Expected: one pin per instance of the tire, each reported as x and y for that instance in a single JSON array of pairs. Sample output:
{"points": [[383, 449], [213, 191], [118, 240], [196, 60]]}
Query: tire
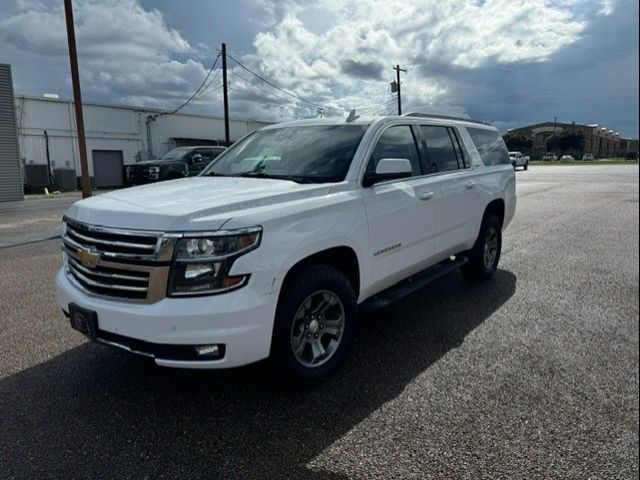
{"points": [[479, 268], [526, 166], [299, 324]]}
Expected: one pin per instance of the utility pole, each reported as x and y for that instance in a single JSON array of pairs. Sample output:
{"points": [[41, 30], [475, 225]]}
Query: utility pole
{"points": [[555, 120], [398, 70], [225, 94], [77, 98]]}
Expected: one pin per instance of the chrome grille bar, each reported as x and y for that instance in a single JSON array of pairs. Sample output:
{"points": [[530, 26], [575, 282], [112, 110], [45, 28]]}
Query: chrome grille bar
{"points": [[115, 276], [117, 243], [106, 285], [130, 265]]}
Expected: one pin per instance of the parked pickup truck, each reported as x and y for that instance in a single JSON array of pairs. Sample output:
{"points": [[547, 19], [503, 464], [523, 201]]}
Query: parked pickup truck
{"points": [[178, 163], [519, 160], [269, 252]]}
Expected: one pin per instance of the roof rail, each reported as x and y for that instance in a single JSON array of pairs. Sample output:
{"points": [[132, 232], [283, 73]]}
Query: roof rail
{"points": [[444, 117]]}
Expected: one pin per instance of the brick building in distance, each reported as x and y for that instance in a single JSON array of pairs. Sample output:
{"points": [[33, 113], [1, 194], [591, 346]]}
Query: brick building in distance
{"points": [[598, 140]]}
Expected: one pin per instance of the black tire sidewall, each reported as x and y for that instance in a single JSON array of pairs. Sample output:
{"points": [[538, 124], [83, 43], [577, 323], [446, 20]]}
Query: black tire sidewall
{"points": [[295, 291], [475, 269]]}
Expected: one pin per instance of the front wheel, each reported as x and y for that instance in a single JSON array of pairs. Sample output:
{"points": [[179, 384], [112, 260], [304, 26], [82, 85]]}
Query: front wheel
{"points": [[526, 166], [485, 254], [314, 324]]}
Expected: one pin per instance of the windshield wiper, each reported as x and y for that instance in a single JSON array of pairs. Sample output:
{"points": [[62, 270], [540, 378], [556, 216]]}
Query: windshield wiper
{"points": [[293, 178], [214, 174]]}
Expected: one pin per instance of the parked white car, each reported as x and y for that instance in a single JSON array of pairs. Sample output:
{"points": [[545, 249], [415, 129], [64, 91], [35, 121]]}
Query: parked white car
{"points": [[269, 252], [567, 158], [587, 156], [519, 160]]}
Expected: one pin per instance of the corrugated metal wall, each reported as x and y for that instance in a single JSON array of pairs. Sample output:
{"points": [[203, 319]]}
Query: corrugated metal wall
{"points": [[109, 127], [10, 172]]}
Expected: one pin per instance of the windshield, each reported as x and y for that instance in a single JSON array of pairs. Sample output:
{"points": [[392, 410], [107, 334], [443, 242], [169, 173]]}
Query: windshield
{"points": [[176, 153], [306, 154]]}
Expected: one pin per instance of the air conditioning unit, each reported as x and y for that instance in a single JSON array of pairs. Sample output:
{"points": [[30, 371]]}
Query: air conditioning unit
{"points": [[65, 178], [36, 177]]}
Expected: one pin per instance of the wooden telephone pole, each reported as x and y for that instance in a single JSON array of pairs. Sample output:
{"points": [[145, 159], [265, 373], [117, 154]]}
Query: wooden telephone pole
{"points": [[398, 70], [225, 94], [77, 99]]}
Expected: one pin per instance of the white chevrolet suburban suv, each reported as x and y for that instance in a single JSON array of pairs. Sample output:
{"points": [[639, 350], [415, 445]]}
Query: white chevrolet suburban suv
{"points": [[270, 250]]}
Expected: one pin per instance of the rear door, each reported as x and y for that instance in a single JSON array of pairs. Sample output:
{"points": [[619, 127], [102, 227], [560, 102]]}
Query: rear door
{"points": [[458, 200], [401, 213]]}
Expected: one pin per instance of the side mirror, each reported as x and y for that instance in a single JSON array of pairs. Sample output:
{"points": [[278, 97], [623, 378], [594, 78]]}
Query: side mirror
{"points": [[389, 169], [197, 158]]}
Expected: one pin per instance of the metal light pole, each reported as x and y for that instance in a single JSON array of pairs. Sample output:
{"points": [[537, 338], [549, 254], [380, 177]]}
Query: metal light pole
{"points": [[77, 99]]}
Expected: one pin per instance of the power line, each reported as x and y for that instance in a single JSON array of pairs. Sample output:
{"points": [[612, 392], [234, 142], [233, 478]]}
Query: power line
{"points": [[197, 91], [274, 85], [253, 85], [207, 90], [370, 110]]}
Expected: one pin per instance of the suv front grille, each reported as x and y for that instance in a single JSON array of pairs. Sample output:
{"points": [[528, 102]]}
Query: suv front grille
{"points": [[119, 264], [110, 243], [110, 282]]}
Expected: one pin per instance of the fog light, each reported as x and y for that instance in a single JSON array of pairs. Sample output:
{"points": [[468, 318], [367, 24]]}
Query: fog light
{"points": [[209, 350]]}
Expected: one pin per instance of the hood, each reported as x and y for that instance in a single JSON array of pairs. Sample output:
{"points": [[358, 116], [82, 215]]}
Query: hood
{"points": [[198, 203]]}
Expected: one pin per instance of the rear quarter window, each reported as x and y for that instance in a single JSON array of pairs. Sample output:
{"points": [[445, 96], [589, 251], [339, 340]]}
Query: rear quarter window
{"points": [[490, 146]]}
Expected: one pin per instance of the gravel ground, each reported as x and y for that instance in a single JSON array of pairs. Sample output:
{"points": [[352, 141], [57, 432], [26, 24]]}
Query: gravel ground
{"points": [[531, 375], [34, 219]]}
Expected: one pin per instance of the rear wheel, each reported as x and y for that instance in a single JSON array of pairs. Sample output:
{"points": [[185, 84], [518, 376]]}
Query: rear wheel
{"points": [[485, 254], [314, 324], [526, 166]]}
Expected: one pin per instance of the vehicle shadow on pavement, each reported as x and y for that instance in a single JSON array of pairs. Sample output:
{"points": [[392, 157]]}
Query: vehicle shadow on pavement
{"points": [[97, 412]]}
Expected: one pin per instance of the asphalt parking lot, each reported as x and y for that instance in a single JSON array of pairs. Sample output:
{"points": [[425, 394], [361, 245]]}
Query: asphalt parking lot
{"points": [[531, 375]]}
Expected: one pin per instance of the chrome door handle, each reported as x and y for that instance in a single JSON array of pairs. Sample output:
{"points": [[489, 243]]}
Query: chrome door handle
{"points": [[469, 184], [425, 195]]}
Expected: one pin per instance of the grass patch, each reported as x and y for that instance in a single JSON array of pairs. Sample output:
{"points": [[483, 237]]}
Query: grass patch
{"points": [[604, 161]]}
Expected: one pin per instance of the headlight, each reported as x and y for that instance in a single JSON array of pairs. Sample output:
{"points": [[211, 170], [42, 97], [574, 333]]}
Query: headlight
{"points": [[202, 263]]}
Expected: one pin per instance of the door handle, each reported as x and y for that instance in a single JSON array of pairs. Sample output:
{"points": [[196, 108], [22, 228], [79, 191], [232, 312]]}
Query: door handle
{"points": [[469, 184], [425, 195]]}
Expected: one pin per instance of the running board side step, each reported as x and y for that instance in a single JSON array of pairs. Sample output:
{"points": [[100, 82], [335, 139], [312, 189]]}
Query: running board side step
{"points": [[412, 284]]}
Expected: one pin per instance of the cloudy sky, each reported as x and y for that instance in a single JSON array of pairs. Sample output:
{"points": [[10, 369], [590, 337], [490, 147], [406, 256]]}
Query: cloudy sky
{"points": [[506, 61]]}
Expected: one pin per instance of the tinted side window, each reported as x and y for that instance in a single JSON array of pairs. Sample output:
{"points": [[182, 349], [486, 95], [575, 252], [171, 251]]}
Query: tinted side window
{"points": [[457, 145], [396, 142], [490, 146], [441, 155]]}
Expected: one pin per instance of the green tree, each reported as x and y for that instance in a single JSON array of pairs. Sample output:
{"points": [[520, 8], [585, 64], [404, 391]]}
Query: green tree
{"points": [[567, 140], [517, 141]]}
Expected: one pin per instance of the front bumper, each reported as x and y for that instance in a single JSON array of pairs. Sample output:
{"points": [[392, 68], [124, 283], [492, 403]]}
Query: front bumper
{"points": [[241, 320]]}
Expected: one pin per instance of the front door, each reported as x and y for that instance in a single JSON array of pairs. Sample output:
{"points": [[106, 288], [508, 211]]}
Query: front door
{"points": [[401, 213]]}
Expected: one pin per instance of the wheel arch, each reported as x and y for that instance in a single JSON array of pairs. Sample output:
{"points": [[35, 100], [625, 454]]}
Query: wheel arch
{"points": [[342, 258], [496, 207]]}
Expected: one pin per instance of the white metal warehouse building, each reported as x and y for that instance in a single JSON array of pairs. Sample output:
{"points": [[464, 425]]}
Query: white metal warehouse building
{"points": [[117, 135]]}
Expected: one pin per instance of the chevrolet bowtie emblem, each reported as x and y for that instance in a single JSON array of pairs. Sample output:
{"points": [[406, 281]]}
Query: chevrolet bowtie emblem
{"points": [[88, 258]]}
